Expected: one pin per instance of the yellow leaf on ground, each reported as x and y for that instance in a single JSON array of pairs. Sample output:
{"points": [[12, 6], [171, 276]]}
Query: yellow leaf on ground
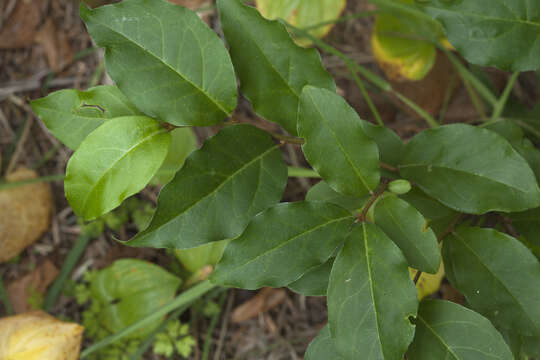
{"points": [[24, 214], [39, 336], [428, 283]]}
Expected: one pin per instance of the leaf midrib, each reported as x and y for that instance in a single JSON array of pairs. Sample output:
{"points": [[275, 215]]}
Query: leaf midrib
{"points": [[441, 340], [126, 153], [176, 71]]}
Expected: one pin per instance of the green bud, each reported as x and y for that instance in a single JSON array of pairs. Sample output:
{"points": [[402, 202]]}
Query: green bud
{"points": [[399, 187]]}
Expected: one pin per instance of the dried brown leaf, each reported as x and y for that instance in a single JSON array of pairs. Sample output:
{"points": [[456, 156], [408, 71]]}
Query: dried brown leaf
{"points": [[20, 28], [36, 282], [266, 299], [55, 44], [24, 214]]}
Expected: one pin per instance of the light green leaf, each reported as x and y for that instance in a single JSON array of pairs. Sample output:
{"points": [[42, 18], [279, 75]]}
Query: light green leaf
{"points": [[129, 290], [72, 114], [322, 347], [370, 297], [409, 230], [271, 68], [498, 275], [527, 223], [503, 34], [283, 243], [234, 176], [165, 60], [322, 192], [391, 148], [114, 162], [439, 217], [315, 281], [445, 330], [336, 145], [470, 169], [197, 258], [183, 142], [303, 14]]}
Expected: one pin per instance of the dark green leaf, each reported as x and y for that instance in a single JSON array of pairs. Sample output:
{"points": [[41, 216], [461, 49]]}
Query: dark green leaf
{"points": [[315, 281], [498, 275], [235, 175], [491, 33], [439, 217], [72, 114], [370, 297], [183, 142], [114, 162], [271, 68], [322, 347], [391, 148], [445, 330], [129, 290], [527, 223], [521, 346], [470, 169], [336, 145], [283, 243], [165, 60], [322, 192], [409, 230]]}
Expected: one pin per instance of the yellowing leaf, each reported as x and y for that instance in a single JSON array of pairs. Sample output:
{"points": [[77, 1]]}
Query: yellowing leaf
{"points": [[303, 14], [39, 336], [428, 283], [24, 214]]}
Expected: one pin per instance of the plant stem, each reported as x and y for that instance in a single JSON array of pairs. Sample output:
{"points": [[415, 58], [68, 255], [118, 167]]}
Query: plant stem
{"points": [[5, 298], [501, 103], [213, 323], [341, 19], [388, 167], [185, 298], [71, 260], [365, 94], [289, 139], [302, 172], [525, 126], [371, 200], [14, 184]]}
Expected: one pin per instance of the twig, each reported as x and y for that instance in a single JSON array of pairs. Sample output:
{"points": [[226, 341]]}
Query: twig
{"points": [[19, 148], [224, 326], [501, 103], [388, 167], [371, 200]]}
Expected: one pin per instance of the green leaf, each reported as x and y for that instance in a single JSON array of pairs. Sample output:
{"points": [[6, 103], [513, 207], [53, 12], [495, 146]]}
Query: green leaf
{"points": [[129, 290], [303, 14], [197, 258], [234, 176], [114, 162], [336, 145], [527, 223], [498, 275], [391, 148], [323, 347], [409, 230], [283, 243], [322, 192], [183, 142], [503, 34], [72, 114], [370, 297], [315, 281], [470, 169], [271, 68], [165, 60], [445, 330], [439, 217]]}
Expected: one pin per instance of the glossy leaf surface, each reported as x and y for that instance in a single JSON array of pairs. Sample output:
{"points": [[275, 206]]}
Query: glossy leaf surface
{"points": [[283, 243], [323, 347], [272, 69], [491, 33], [336, 145], [315, 281], [498, 275], [72, 114], [235, 175], [527, 223], [470, 169], [409, 230], [114, 162], [370, 297], [391, 148], [130, 289], [445, 330], [165, 60], [183, 143]]}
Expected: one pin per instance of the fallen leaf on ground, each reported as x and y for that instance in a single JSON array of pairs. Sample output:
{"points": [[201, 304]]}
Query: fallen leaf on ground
{"points": [[20, 28], [55, 44], [24, 214], [23, 291], [266, 299], [38, 336]]}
